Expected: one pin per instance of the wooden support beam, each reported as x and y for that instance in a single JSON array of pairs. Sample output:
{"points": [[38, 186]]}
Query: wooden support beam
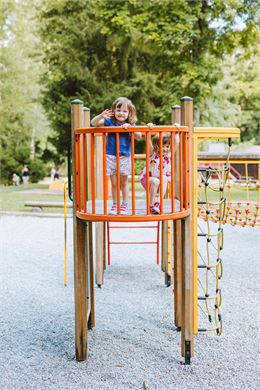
{"points": [[91, 296], [187, 342], [100, 253], [177, 235], [80, 252], [165, 247]]}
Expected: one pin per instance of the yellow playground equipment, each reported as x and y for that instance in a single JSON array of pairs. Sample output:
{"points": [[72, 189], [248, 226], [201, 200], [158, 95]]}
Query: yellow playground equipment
{"points": [[178, 219]]}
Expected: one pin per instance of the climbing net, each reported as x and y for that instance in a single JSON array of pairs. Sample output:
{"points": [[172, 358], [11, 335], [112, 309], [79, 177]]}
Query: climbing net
{"points": [[210, 243]]}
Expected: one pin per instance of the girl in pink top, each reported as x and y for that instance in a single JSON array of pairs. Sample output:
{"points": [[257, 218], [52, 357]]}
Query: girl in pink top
{"points": [[154, 170]]}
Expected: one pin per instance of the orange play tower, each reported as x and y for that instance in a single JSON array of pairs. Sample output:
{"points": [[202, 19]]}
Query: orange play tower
{"points": [[178, 213]]}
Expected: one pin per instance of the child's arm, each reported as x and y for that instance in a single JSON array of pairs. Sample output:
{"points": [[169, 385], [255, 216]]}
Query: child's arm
{"points": [[138, 135], [99, 119], [176, 138], [151, 126]]}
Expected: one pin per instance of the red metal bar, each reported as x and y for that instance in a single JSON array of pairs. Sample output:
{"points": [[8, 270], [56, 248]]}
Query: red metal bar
{"points": [[108, 244], [158, 243]]}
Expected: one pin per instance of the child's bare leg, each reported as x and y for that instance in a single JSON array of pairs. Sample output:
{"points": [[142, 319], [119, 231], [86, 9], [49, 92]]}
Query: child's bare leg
{"points": [[154, 186], [157, 195], [124, 188], [113, 180], [165, 182]]}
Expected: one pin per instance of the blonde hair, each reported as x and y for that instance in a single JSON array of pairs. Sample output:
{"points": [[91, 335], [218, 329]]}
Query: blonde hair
{"points": [[132, 118], [166, 139]]}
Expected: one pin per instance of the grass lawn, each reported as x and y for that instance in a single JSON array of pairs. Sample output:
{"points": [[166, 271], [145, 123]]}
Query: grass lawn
{"points": [[13, 198]]}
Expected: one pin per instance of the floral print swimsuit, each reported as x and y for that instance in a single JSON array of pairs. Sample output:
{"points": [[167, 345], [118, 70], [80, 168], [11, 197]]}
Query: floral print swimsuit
{"points": [[154, 167]]}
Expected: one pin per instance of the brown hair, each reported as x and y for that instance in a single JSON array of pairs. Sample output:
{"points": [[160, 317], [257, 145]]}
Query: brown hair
{"points": [[166, 139], [132, 118]]}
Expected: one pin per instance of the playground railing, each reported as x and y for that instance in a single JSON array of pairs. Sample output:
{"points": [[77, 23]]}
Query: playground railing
{"points": [[92, 194]]}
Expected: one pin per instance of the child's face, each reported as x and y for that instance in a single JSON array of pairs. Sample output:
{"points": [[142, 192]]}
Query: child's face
{"points": [[121, 113], [166, 148]]}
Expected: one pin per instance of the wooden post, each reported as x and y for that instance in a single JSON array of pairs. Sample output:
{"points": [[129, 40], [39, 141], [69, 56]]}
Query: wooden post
{"points": [[91, 316], [177, 235], [187, 344], [81, 274]]}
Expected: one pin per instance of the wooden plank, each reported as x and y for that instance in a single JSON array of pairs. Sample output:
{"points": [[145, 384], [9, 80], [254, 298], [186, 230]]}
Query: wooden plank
{"points": [[39, 203], [80, 252], [91, 319], [99, 253], [177, 234], [187, 339]]}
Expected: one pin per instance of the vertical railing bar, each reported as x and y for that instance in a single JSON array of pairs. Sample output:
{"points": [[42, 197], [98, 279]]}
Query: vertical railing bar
{"points": [[172, 168], [147, 157], [181, 170], [93, 182], [133, 171], [118, 171], [104, 173], [77, 173], [187, 164], [161, 171], [84, 174], [81, 171]]}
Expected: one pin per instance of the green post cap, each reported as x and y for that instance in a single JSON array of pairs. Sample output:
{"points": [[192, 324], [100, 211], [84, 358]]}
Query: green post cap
{"points": [[86, 109], [176, 106], [76, 101], [186, 98]]}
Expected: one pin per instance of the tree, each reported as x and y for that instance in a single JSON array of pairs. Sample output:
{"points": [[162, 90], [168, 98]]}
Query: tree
{"points": [[235, 99], [22, 119], [151, 51]]}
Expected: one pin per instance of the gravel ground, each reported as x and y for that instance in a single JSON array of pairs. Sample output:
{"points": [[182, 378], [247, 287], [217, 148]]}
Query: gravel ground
{"points": [[134, 344]]}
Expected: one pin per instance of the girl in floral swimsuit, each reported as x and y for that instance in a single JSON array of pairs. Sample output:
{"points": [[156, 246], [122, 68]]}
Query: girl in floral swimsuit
{"points": [[154, 170]]}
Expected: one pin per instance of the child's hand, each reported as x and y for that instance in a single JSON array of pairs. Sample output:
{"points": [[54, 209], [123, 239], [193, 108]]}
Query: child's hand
{"points": [[107, 114], [150, 125], [126, 125]]}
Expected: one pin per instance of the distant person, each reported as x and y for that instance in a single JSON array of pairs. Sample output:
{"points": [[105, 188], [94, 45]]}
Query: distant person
{"points": [[53, 172], [56, 176], [16, 179], [25, 174]]}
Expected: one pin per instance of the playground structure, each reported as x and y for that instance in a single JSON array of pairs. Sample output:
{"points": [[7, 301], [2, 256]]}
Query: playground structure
{"points": [[178, 215]]}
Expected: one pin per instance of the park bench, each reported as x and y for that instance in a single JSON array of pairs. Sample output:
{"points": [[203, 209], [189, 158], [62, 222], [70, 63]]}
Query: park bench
{"points": [[45, 204]]}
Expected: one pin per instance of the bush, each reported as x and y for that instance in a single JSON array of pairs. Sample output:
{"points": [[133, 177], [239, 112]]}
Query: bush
{"points": [[37, 170]]}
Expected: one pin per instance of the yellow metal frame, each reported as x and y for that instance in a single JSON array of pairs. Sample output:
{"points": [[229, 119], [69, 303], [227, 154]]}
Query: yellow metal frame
{"points": [[201, 134]]}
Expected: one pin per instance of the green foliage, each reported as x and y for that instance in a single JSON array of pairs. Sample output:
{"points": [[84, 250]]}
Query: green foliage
{"points": [[139, 165], [22, 123], [235, 99], [151, 51], [37, 170]]}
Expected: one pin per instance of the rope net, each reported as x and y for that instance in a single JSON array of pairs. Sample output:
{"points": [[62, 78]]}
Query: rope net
{"points": [[221, 200], [210, 244]]}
